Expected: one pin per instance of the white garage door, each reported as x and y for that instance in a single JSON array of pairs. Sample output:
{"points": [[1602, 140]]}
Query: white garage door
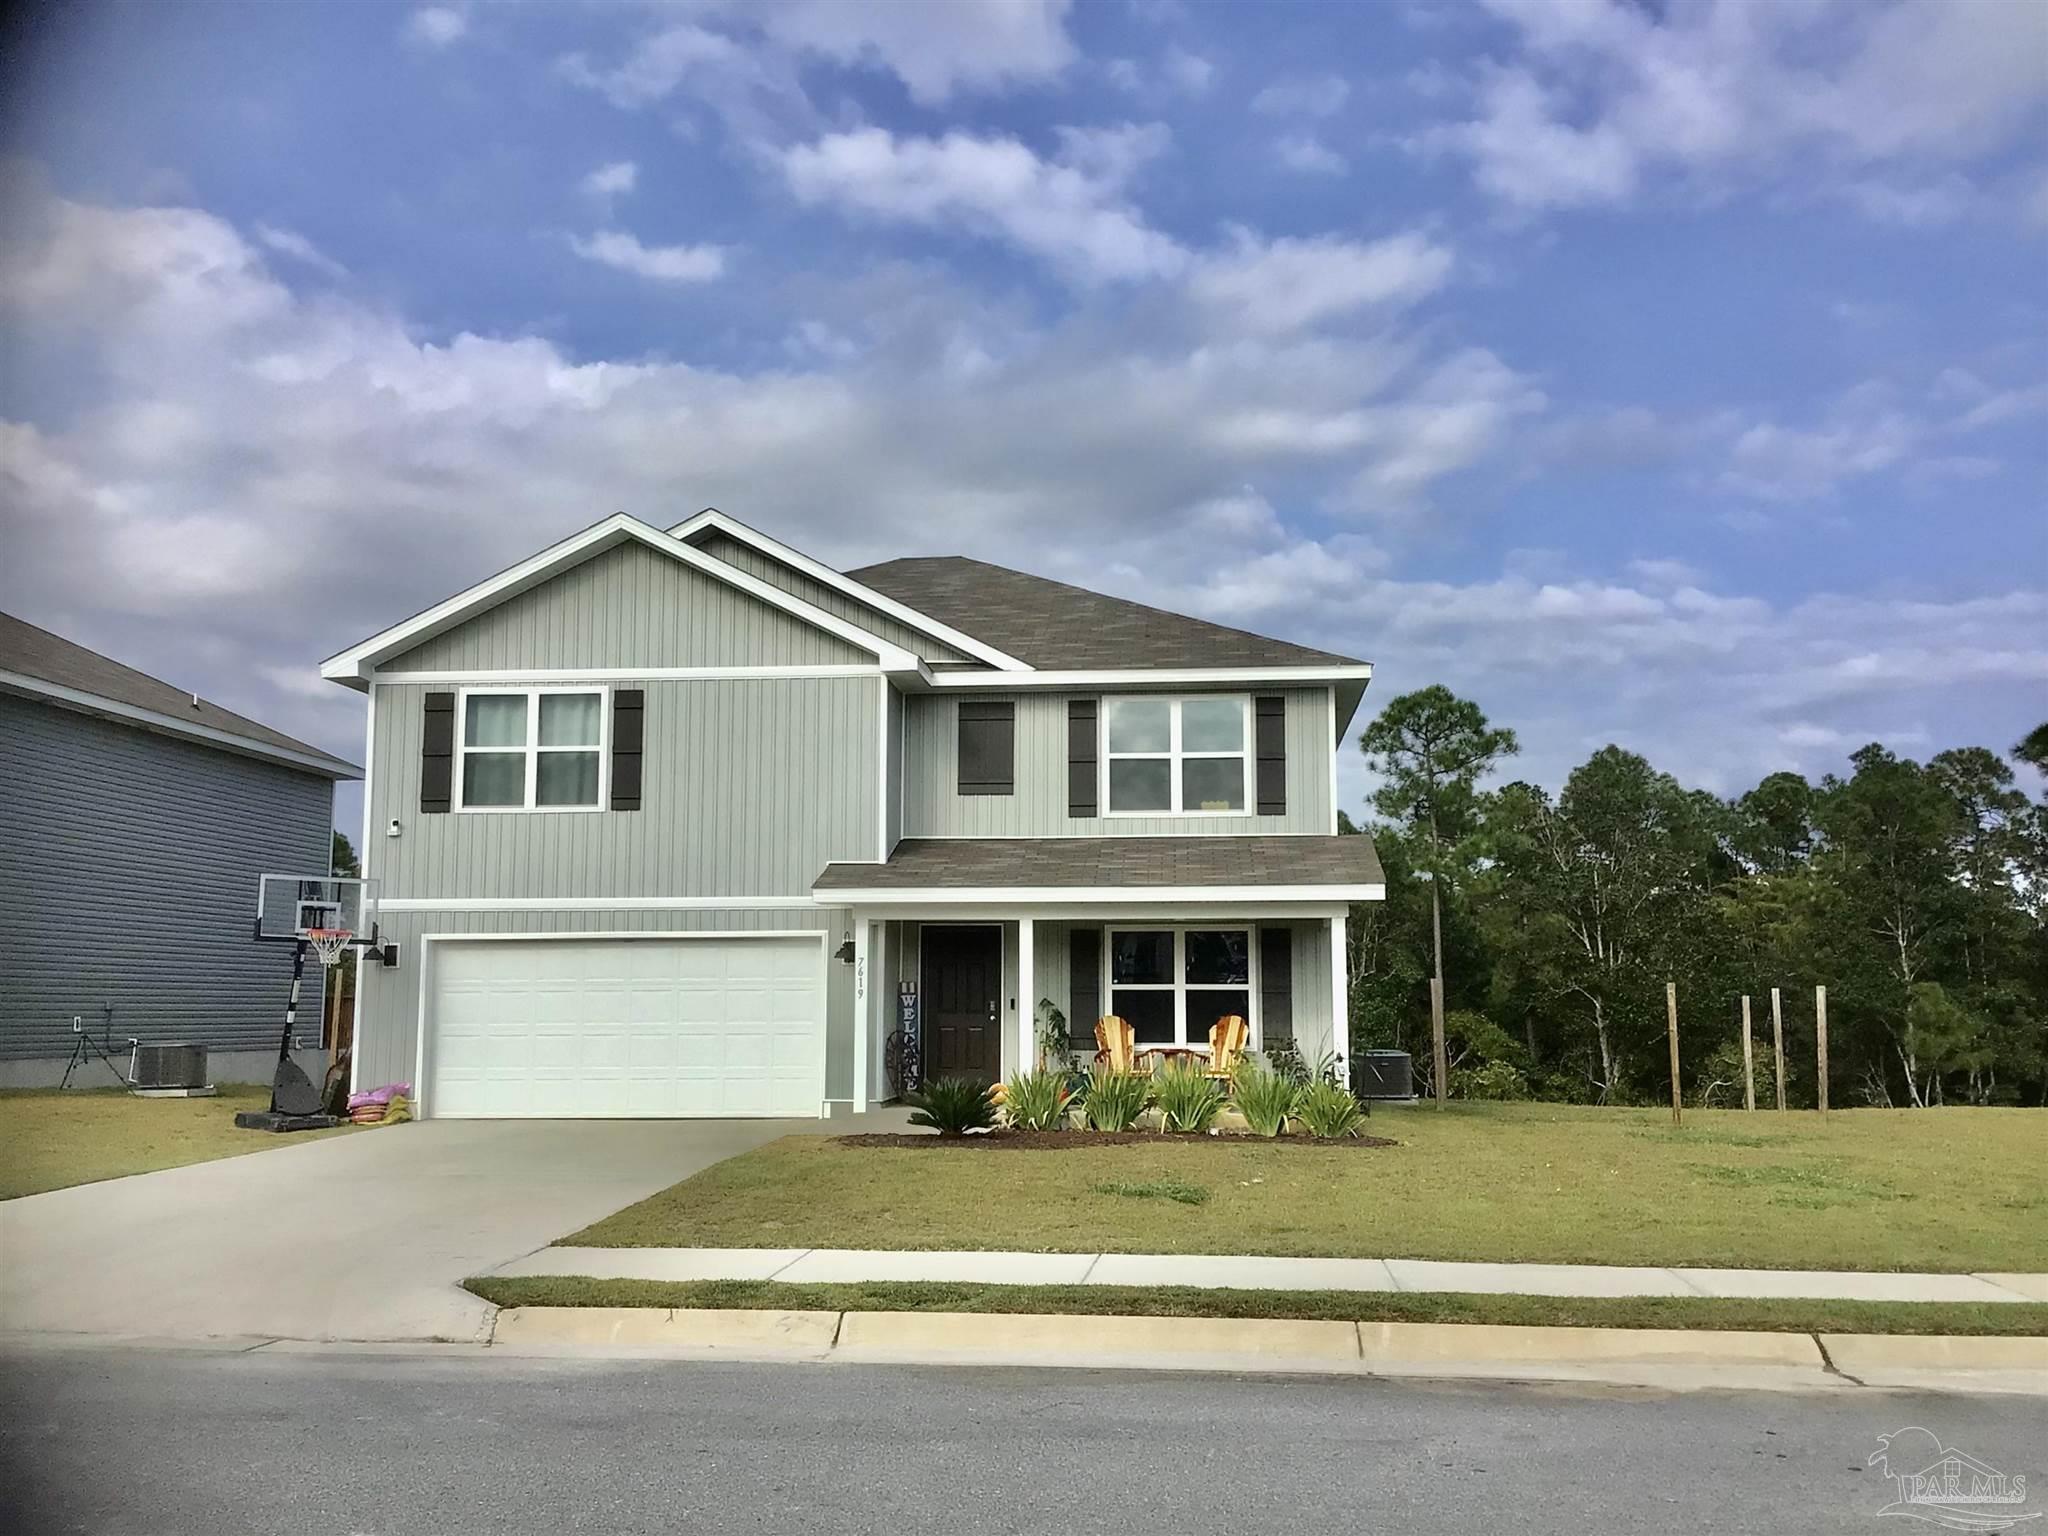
{"points": [[617, 1027]]}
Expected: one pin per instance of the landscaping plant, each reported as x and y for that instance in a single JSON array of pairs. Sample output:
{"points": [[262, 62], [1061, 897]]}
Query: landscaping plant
{"points": [[1055, 1045], [1113, 1100], [953, 1106], [1037, 1101], [1328, 1112], [1264, 1097], [1188, 1098]]}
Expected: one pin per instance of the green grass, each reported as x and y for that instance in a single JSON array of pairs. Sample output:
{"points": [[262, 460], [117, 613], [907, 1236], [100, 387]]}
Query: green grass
{"points": [[1156, 1189], [1943, 1190], [50, 1140], [2008, 1319]]}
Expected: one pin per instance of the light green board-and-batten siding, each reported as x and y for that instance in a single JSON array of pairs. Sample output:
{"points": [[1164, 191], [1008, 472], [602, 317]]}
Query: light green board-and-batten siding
{"points": [[933, 808], [746, 558], [751, 786], [630, 606], [388, 1047]]}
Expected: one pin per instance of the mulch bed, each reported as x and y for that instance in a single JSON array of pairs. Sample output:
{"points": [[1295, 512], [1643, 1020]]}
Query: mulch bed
{"points": [[1049, 1141]]}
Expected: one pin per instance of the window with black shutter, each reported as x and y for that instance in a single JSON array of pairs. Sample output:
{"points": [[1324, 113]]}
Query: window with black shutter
{"points": [[437, 753], [1269, 741], [629, 734], [1081, 795]]}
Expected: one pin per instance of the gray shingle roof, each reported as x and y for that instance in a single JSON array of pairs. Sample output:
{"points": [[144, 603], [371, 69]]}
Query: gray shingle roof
{"points": [[1056, 627], [36, 653], [929, 863]]}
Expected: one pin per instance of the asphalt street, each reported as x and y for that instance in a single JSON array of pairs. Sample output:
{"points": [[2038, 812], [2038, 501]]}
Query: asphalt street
{"points": [[130, 1441]]}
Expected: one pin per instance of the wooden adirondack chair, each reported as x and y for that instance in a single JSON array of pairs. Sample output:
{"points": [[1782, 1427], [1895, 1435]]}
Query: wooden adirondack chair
{"points": [[1116, 1044], [1227, 1040]]}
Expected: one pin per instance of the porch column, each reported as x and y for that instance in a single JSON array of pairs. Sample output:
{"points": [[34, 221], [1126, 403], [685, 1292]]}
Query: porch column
{"points": [[1027, 997], [863, 1002], [1340, 1000]]}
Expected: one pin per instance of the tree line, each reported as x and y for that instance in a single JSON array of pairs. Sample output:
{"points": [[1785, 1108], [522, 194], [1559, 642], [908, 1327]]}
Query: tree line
{"points": [[1915, 893]]}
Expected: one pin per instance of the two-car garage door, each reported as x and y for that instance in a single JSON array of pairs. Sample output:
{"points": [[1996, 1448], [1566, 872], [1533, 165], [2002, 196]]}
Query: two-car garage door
{"points": [[726, 1025]]}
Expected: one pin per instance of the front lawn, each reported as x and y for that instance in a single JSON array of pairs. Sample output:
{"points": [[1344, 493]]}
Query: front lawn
{"points": [[2002, 1319], [51, 1140], [1943, 1190]]}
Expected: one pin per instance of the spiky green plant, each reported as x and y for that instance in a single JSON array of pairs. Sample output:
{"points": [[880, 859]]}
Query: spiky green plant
{"points": [[953, 1106], [1037, 1101], [1188, 1098], [1328, 1112], [1264, 1097], [1113, 1100]]}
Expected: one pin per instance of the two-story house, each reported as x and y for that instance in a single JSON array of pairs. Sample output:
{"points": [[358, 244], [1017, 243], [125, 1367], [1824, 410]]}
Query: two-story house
{"points": [[688, 823]]}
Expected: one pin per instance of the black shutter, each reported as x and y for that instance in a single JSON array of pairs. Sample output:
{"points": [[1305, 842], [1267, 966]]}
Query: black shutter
{"points": [[1270, 745], [1084, 986], [1276, 984], [986, 754], [628, 734], [1081, 759], [437, 753]]}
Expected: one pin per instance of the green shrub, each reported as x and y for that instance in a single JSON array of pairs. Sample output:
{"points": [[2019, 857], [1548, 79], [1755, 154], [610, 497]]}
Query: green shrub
{"points": [[1285, 1058], [1188, 1098], [1055, 1046], [1328, 1112], [1114, 1100], [1156, 1189], [1497, 1082], [1037, 1101], [1264, 1097], [953, 1106]]}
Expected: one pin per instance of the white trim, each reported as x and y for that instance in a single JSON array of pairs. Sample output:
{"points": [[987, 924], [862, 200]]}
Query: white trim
{"points": [[1159, 677], [422, 1109], [863, 1005], [355, 1029], [355, 664], [1027, 995], [1178, 985], [629, 674], [797, 560], [1333, 759], [1176, 756], [1340, 1000], [533, 748], [133, 714], [1193, 912], [1112, 895], [882, 771], [608, 904]]}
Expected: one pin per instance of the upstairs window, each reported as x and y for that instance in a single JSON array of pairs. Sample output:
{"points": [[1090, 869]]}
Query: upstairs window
{"points": [[532, 749], [1176, 757]]}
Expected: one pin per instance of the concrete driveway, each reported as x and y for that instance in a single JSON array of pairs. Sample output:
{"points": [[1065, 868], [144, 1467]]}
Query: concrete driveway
{"points": [[355, 1237]]}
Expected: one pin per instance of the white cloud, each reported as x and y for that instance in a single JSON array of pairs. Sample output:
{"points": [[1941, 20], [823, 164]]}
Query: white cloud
{"points": [[657, 65], [1070, 209], [1306, 96], [1308, 155], [435, 26], [287, 242], [1600, 95], [662, 263], [609, 181], [1187, 72], [1286, 285]]}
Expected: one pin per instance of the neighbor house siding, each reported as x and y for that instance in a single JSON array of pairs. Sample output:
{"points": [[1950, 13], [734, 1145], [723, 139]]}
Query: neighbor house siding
{"points": [[388, 1048], [1038, 808], [750, 787], [128, 867], [630, 606], [746, 558]]}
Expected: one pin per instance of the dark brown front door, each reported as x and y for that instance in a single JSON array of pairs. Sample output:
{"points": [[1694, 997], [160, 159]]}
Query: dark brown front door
{"points": [[962, 982]]}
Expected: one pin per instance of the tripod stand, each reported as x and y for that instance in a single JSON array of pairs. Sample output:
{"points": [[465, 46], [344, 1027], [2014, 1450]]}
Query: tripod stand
{"points": [[84, 1048]]}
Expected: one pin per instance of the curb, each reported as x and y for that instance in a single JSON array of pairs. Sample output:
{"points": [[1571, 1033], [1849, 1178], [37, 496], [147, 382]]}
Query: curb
{"points": [[1670, 1359]]}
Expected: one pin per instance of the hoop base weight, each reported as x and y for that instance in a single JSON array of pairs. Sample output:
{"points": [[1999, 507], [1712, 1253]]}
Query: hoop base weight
{"points": [[270, 1120]]}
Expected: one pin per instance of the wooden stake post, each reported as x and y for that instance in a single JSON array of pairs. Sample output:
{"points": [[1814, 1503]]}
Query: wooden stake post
{"points": [[1748, 1061], [1436, 1035], [1671, 1020], [1778, 1043], [1820, 1042]]}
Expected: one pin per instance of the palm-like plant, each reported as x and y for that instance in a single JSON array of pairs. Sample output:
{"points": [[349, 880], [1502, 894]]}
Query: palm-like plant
{"points": [[1188, 1098], [1037, 1101], [1329, 1112], [953, 1106], [1113, 1100], [1264, 1097]]}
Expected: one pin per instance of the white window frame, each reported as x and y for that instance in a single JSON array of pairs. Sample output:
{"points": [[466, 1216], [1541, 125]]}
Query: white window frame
{"points": [[1180, 986], [533, 749], [1174, 755]]}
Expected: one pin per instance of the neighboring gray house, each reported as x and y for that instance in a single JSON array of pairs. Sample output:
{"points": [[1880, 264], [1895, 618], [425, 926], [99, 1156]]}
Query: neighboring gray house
{"points": [[687, 823], [134, 820]]}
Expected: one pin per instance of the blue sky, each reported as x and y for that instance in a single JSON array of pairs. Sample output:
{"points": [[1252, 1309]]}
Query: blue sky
{"points": [[1672, 375]]}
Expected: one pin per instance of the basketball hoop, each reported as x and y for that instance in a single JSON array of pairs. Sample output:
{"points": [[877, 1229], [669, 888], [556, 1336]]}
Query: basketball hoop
{"points": [[328, 943]]}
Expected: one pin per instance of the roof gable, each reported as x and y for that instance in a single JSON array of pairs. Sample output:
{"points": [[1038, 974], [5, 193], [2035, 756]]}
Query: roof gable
{"points": [[1057, 627]]}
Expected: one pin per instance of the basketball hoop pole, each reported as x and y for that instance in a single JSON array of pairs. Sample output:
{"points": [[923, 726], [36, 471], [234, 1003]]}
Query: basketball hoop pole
{"points": [[291, 1015]]}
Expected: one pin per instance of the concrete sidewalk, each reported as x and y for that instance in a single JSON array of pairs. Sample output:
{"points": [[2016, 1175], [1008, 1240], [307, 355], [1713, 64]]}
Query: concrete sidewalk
{"points": [[821, 1265]]}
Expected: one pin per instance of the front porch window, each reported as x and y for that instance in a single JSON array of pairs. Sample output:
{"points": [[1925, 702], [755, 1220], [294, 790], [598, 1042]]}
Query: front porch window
{"points": [[1173, 984]]}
